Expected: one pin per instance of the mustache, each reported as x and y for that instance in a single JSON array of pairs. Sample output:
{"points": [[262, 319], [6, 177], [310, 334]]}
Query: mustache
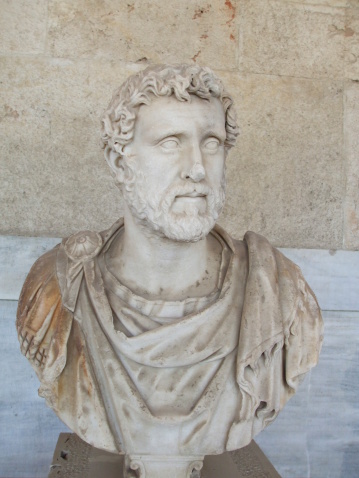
{"points": [[183, 188]]}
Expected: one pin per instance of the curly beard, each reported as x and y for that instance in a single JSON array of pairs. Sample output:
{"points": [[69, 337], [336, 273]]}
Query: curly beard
{"points": [[153, 209]]}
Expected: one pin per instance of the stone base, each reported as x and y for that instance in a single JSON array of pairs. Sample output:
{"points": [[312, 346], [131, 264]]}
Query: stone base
{"points": [[73, 458]]}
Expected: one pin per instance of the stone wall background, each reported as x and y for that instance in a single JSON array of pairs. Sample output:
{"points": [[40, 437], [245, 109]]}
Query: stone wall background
{"points": [[292, 66]]}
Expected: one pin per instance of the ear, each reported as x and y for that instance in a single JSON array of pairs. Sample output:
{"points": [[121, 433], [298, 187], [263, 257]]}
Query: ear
{"points": [[115, 161]]}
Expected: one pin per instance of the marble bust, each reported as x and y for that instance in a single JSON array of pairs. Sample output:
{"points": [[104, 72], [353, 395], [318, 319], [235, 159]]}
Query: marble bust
{"points": [[162, 336]]}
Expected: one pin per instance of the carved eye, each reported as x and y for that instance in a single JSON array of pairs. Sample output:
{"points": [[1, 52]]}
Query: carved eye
{"points": [[212, 144], [169, 144]]}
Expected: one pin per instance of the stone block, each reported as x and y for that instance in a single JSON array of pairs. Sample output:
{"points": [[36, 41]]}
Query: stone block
{"points": [[292, 39], [286, 177], [23, 26], [352, 44], [55, 180], [144, 31], [351, 138]]}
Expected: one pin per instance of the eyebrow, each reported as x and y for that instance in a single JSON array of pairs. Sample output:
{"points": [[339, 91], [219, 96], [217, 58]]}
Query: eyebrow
{"points": [[167, 134], [218, 134], [177, 132]]}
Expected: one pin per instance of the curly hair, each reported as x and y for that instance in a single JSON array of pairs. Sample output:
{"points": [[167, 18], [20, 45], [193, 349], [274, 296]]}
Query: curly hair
{"points": [[183, 80]]}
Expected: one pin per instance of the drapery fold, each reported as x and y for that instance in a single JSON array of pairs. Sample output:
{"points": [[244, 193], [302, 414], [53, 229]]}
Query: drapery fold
{"points": [[225, 369]]}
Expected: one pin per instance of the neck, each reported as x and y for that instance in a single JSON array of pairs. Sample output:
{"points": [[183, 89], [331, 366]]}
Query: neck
{"points": [[158, 267]]}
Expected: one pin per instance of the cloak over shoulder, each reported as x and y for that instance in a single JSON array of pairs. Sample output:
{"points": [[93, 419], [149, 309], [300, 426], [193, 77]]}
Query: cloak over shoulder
{"points": [[225, 370]]}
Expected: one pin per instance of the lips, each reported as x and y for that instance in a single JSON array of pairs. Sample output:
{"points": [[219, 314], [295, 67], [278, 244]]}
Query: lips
{"points": [[191, 195]]}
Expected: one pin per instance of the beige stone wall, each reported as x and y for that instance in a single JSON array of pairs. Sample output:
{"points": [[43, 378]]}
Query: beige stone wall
{"points": [[293, 67]]}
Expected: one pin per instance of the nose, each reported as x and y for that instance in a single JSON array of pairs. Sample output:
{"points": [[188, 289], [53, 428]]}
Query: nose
{"points": [[197, 171]]}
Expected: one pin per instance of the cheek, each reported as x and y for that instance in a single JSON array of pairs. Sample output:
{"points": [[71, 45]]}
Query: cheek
{"points": [[164, 172], [215, 170], [158, 178]]}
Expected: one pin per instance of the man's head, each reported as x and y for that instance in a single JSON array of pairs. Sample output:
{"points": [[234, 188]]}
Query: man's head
{"points": [[166, 134]]}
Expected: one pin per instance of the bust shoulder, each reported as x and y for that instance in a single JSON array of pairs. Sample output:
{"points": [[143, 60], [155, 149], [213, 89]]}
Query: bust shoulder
{"points": [[43, 323]]}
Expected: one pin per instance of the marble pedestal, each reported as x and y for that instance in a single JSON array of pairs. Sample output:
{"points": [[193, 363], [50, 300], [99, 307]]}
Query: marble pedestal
{"points": [[73, 458]]}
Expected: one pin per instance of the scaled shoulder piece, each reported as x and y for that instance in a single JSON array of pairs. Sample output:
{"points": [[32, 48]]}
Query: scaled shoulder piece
{"points": [[43, 324]]}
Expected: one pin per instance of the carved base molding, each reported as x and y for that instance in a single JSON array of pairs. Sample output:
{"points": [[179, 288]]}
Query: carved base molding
{"points": [[73, 458]]}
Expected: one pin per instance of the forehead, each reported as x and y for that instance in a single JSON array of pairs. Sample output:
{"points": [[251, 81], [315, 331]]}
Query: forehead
{"points": [[168, 114]]}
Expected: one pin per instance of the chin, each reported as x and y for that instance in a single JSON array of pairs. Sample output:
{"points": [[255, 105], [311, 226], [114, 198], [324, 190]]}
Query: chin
{"points": [[184, 228]]}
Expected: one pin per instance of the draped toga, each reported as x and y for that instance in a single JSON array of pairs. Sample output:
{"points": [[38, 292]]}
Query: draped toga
{"points": [[131, 375]]}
